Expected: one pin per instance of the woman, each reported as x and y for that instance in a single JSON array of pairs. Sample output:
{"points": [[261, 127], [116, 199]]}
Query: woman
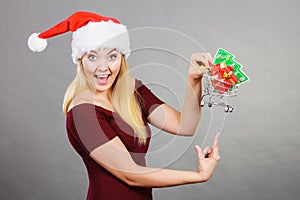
{"points": [[108, 112]]}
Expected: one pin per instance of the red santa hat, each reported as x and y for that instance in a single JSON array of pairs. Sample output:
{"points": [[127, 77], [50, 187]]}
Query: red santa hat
{"points": [[90, 32]]}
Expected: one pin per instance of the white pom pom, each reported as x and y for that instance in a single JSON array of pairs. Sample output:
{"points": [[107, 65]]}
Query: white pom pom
{"points": [[36, 44]]}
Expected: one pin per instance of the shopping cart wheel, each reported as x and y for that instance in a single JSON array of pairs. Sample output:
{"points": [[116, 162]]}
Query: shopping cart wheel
{"points": [[226, 108], [209, 104], [202, 103]]}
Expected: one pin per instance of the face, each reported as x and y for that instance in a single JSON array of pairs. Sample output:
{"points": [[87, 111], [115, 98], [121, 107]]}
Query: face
{"points": [[101, 68]]}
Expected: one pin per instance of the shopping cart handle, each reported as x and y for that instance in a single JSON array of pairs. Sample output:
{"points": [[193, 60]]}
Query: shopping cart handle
{"points": [[200, 63]]}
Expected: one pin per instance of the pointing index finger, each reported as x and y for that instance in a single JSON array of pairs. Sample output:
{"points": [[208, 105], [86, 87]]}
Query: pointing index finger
{"points": [[215, 149], [217, 136]]}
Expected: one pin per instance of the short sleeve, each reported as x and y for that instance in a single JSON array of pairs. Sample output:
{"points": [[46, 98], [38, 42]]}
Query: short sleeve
{"points": [[148, 99], [91, 127]]}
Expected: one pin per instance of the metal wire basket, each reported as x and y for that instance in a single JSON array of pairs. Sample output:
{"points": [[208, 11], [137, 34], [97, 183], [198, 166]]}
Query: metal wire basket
{"points": [[215, 89]]}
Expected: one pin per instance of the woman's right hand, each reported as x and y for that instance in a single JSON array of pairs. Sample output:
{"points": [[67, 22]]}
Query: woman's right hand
{"points": [[208, 159]]}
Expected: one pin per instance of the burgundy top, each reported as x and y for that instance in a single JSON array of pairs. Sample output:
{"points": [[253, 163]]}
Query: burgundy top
{"points": [[89, 126]]}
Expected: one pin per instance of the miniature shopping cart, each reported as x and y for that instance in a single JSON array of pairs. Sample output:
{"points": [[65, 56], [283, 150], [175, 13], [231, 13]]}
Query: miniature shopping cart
{"points": [[221, 79], [215, 91]]}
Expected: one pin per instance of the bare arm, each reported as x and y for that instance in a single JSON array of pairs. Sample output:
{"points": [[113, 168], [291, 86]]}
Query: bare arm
{"points": [[114, 157], [185, 122]]}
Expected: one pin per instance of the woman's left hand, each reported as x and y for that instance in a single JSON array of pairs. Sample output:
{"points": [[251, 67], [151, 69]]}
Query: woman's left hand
{"points": [[198, 62]]}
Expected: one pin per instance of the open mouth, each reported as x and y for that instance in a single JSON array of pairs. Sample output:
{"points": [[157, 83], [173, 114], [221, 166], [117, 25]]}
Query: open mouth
{"points": [[102, 79]]}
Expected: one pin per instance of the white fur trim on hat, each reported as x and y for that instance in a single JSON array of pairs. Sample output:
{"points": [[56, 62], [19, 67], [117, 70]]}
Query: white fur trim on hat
{"points": [[95, 35], [35, 43]]}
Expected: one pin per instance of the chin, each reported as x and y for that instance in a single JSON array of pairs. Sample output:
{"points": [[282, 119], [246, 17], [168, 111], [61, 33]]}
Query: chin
{"points": [[103, 88]]}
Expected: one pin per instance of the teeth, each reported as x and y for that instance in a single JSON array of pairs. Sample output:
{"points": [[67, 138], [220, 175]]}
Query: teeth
{"points": [[102, 76]]}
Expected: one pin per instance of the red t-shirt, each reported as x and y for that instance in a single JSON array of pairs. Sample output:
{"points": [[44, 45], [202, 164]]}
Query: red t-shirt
{"points": [[89, 126]]}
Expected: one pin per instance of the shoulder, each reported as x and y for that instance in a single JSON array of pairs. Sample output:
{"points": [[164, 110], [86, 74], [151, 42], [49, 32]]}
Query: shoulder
{"points": [[142, 89], [84, 97], [138, 83], [139, 86], [139, 89]]}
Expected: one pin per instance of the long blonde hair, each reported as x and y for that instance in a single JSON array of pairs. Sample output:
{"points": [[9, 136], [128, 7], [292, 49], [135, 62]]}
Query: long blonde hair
{"points": [[122, 91]]}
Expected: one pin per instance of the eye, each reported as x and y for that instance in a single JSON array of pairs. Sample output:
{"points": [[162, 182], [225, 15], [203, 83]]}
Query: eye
{"points": [[91, 57], [112, 57]]}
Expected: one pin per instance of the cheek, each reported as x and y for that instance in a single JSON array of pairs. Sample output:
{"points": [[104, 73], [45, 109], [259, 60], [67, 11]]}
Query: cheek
{"points": [[115, 67], [88, 68]]}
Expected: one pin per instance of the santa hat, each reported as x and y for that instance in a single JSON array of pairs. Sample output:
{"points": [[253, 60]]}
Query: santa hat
{"points": [[90, 32]]}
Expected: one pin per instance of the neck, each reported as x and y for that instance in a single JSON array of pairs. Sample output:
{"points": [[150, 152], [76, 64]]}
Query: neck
{"points": [[97, 96], [103, 95]]}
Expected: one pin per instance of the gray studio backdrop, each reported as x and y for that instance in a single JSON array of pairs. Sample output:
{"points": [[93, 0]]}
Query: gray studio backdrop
{"points": [[260, 140]]}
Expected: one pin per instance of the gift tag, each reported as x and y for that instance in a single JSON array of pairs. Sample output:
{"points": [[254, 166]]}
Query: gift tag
{"points": [[223, 56]]}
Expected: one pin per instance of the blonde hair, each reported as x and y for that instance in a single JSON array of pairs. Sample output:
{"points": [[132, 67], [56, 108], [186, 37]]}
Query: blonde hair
{"points": [[122, 91]]}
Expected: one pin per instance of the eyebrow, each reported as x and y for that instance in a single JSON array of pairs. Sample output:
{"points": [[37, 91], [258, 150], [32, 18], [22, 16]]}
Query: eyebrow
{"points": [[107, 53], [111, 51]]}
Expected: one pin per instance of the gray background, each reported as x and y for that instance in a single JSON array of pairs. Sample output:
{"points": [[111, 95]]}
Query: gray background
{"points": [[260, 141]]}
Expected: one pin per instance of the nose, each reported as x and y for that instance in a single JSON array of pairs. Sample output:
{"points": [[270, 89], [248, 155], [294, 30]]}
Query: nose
{"points": [[102, 64], [103, 67]]}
